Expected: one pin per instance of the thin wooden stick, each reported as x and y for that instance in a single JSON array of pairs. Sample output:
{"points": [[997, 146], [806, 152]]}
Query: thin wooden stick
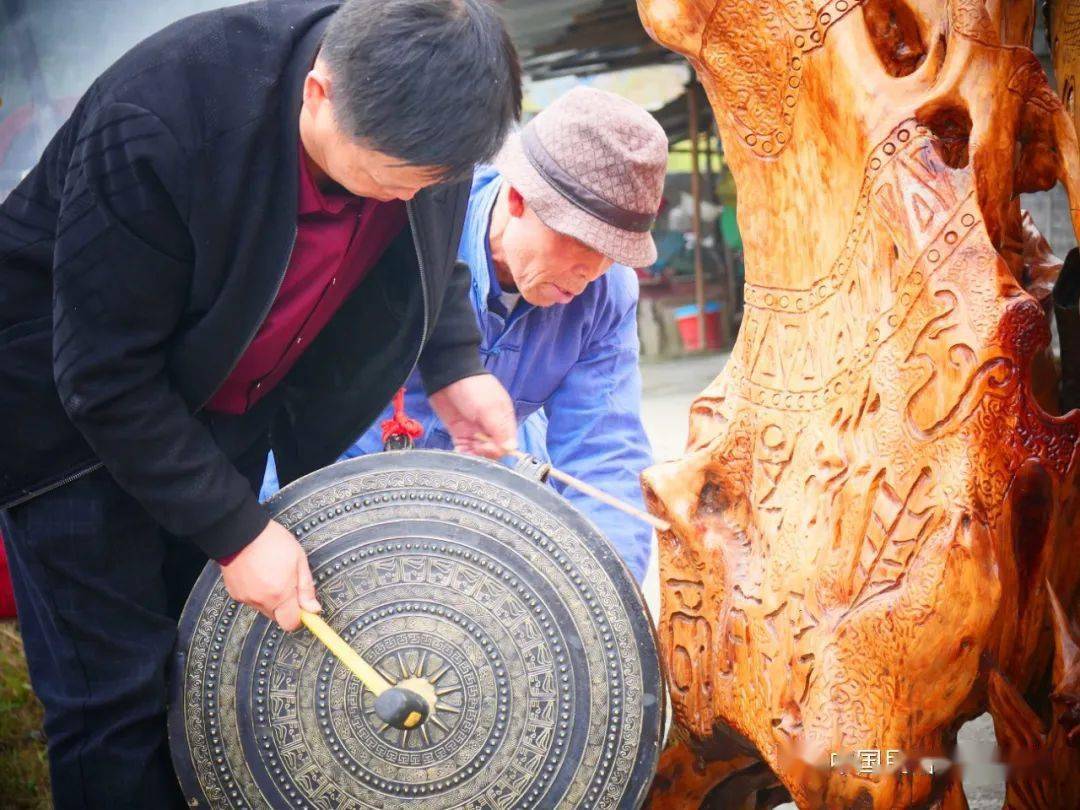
{"points": [[589, 489], [610, 500]]}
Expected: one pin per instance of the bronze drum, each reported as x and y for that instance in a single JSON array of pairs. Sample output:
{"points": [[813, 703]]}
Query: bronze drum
{"points": [[479, 579]]}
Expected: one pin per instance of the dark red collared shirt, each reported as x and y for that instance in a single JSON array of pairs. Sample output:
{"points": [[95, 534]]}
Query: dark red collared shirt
{"points": [[339, 238]]}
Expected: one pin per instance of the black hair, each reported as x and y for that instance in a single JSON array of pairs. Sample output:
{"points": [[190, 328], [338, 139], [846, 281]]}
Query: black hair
{"points": [[430, 82]]}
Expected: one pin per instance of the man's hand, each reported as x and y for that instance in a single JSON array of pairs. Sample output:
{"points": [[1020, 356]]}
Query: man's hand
{"points": [[272, 575], [479, 415]]}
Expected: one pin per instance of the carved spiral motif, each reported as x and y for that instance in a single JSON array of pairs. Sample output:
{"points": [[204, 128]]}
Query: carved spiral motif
{"points": [[432, 566]]}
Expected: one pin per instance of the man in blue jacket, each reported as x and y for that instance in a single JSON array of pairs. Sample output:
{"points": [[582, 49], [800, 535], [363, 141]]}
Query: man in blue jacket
{"points": [[550, 235]]}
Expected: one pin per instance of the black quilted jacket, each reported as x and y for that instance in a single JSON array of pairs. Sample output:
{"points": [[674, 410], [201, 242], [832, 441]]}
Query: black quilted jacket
{"points": [[141, 254]]}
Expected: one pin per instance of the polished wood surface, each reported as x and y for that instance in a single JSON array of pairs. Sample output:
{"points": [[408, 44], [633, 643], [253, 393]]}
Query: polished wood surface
{"points": [[880, 483], [1064, 20]]}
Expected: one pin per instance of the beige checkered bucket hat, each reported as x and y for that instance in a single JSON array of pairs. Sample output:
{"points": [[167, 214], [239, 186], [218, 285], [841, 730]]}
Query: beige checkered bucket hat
{"points": [[592, 166]]}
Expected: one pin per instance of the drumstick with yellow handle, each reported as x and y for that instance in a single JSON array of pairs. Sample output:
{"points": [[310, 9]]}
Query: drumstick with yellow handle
{"points": [[405, 705]]}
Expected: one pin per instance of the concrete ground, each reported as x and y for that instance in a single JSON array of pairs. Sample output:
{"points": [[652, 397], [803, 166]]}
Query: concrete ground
{"points": [[668, 389]]}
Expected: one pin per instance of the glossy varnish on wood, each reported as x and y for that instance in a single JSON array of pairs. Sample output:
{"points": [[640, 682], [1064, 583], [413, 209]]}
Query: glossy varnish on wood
{"points": [[1065, 45], [879, 486]]}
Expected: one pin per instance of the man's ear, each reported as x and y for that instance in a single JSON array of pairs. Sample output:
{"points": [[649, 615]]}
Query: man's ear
{"points": [[516, 202], [316, 89]]}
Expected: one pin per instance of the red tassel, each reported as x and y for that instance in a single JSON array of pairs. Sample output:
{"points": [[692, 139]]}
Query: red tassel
{"points": [[400, 424]]}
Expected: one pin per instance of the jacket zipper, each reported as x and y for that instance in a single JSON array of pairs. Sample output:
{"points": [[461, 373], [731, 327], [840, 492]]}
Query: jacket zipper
{"points": [[251, 337], [424, 300], [54, 485], [423, 286]]}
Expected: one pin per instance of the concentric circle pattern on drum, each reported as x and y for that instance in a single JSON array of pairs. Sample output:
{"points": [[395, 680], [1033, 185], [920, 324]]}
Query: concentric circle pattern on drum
{"points": [[455, 570]]}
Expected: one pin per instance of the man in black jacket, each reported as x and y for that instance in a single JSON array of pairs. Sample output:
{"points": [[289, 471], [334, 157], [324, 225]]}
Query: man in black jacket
{"points": [[242, 239]]}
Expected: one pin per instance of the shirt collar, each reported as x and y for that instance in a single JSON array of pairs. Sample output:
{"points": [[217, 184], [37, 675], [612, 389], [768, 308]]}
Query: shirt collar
{"points": [[314, 200], [475, 247], [495, 290], [494, 287]]}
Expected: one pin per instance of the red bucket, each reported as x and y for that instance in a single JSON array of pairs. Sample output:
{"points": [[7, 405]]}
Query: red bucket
{"points": [[687, 320]]}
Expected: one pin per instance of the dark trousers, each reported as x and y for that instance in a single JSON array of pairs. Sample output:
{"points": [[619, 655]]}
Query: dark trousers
{"points": [[99, 587]]}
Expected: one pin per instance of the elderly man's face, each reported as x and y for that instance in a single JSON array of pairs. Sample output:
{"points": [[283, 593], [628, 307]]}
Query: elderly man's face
{"points": [[548, 267]]}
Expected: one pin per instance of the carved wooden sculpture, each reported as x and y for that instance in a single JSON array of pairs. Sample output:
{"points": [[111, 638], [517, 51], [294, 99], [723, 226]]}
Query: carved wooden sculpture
{"points": [[879, 484], [1064, 23]]}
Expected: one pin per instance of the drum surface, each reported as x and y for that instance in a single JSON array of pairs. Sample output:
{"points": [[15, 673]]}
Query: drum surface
{"points": [[438, 566]]}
